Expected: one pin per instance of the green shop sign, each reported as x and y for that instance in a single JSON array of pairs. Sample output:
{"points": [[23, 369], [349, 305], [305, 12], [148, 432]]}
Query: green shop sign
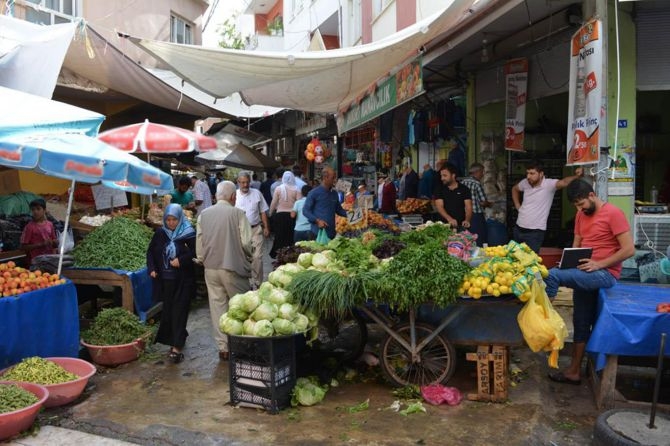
{"points": [[405, 85]]}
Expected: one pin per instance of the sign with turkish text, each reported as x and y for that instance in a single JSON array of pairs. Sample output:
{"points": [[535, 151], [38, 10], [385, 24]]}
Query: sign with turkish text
{"points": [[406, 84], [585, 93], [516, 81]]}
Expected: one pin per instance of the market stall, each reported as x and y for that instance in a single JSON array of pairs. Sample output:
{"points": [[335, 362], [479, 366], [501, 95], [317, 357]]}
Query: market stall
{"points": [[633, 312], [43, 322]]}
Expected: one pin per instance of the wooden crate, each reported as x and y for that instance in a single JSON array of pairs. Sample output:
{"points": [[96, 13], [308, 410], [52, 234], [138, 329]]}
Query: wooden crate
{"points": [[492, 373]]}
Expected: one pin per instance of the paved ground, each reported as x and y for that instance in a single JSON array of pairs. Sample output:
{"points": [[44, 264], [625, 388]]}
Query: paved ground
{"points": [[154, 402]]}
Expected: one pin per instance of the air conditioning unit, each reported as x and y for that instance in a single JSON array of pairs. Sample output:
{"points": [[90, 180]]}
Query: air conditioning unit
{"points": [[652, 228]]}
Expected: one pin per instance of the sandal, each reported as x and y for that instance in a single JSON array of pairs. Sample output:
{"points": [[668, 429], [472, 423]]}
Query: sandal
{"points": [[176, 357], [559, 377]]}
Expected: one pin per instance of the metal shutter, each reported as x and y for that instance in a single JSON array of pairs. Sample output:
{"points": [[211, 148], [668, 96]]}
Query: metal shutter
{"points": [[653, 48]]}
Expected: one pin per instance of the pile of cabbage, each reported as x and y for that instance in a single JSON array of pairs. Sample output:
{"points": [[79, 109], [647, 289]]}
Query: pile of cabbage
{"points": [[268, 311]]}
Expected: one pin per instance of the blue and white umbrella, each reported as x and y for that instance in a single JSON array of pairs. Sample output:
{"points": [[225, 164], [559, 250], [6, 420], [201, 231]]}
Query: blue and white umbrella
{"points": [[82, 158]]}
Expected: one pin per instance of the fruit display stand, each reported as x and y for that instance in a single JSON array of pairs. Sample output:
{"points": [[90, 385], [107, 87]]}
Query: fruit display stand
{"points": [[136, 286], [42, 323]]}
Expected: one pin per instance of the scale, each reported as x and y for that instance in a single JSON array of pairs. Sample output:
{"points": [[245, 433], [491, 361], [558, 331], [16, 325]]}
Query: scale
{"points": [[652, 209]]}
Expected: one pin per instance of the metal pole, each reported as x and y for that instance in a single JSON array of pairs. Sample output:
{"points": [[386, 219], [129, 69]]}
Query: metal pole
{"points": [[65, 228], [657, 383]]}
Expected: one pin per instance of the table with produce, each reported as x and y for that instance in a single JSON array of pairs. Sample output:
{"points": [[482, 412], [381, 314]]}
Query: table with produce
{"points": [[39, 315], [114, 254], [400, 281]]}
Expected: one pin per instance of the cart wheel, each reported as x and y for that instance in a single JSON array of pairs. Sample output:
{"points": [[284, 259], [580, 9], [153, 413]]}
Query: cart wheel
{"points": [[436, 363], [346, 336]]}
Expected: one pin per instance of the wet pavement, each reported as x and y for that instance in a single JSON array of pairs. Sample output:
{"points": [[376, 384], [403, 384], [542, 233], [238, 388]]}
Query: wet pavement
{"points": [[154, 402]]}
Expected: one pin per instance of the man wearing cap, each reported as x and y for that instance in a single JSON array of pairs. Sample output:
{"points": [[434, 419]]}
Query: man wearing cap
{"points": [[201, 193], [479, 202], [39, 236]]}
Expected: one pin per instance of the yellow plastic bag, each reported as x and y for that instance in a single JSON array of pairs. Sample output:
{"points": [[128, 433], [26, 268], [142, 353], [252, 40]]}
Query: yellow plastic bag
{"points": [[542, 327]]}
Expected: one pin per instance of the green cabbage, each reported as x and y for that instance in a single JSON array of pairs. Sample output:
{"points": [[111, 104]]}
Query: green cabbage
{"points": [[283, 327], [305, 259], [291, 268], [248, 327], [250, 300], [307, 392], [263, 328], [265, 289], [266, 310], [278, 296], [319, 260], [236, 301], [301, 323], [287, 311], [238, 313], [231, 326]]}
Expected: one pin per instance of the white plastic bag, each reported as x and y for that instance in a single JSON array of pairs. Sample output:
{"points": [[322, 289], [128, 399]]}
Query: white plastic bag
{"points": [[66, 239]]}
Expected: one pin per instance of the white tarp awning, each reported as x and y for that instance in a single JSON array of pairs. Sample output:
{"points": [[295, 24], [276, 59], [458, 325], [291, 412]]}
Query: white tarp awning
{"points": [[315, 81], [31, 55]]}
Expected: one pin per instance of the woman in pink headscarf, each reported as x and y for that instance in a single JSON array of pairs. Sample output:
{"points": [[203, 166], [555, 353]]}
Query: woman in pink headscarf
{"points": [[283, 200]]}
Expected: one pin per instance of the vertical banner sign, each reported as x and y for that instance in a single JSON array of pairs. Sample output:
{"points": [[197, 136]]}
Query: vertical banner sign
{"points": [[516, 80], [586, 57]]}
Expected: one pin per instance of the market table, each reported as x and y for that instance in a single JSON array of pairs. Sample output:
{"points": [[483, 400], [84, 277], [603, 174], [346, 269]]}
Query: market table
{"points": [[628, 325], [136, 286], [39, 323]]}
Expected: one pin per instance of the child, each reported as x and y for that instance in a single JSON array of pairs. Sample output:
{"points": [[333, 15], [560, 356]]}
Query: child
{"points": [[39, 235], [170, 264]]}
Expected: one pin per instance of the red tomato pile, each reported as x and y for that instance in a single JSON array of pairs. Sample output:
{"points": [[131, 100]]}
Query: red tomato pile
{"points": [[16, 280]]}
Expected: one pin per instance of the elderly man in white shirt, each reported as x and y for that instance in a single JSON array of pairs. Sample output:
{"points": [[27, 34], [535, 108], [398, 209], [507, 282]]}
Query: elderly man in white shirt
{"points": [[251, 201]]}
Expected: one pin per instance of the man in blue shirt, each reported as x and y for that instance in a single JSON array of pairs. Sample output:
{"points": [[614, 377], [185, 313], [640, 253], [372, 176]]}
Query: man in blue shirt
{"points": [[322, 204]]}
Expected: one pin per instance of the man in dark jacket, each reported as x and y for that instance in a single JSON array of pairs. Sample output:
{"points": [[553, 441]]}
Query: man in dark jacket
{"points": [[409, 184]]}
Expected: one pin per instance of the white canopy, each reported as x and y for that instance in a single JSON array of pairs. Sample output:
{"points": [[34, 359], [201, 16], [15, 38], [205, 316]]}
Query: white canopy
{"points": [[31, 55], [315, 81]]}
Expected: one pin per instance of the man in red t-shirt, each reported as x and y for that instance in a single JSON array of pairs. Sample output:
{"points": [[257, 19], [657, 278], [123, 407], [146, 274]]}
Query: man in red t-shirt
{"points": [[39, 235], [604, 228]]}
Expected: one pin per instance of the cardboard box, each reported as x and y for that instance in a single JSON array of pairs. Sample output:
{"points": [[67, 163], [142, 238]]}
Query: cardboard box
{"points": [[9, 181]]}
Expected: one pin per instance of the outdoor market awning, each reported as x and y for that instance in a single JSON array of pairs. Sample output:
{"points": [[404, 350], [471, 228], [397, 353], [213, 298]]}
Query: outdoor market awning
{"points": [[31, 55], [314, 81]]}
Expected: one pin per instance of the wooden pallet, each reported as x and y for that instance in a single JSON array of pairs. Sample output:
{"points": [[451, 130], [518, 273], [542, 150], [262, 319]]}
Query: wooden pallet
{"points": [[492, 373]]}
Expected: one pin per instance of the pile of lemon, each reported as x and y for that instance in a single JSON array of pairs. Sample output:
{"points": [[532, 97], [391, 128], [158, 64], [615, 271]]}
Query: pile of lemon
{"points": [[507, 269]]}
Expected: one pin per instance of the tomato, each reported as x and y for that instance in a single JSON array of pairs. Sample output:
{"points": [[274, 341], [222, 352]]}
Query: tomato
{"points": [[663, 307]]}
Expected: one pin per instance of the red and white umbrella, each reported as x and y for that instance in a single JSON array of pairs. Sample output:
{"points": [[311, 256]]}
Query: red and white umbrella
{"points": [[149, 137]]}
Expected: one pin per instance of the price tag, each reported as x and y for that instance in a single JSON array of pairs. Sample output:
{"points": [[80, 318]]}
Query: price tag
{"points": [[106, 197], [343, 186], [355, 216]]}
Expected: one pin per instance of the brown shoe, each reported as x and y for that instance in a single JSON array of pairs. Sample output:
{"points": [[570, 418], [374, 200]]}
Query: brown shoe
{"points": [[223, 356]]}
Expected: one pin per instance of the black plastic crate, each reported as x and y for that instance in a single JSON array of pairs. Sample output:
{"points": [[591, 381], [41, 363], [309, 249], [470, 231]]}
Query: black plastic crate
{"points": [[271, 399], [263, 351], [261, 375]]}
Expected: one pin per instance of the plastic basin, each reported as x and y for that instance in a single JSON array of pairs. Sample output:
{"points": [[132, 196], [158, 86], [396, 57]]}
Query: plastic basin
{"points": [[67, 392], [111, 355], [64, 393], [551, 256], [11, 423]]}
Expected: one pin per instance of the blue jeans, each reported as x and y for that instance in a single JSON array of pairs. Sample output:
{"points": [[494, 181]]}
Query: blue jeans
{"points": [[585, 287]]}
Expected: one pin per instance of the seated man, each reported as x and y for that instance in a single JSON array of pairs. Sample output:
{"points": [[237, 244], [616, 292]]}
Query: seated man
{"points": [[604, 228]]}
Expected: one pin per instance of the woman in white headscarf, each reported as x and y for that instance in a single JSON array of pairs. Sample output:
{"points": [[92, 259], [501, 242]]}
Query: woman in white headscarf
{"points": [[283, 200]]}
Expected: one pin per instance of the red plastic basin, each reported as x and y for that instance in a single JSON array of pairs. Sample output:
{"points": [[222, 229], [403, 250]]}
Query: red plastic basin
{"points": [[111, 355], [11, 423], [64, 393], [67, 392], [551, 256]]}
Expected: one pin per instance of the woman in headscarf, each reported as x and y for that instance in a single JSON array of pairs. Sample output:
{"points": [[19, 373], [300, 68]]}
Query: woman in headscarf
{"points": [[283, 200], [170, 264]]}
